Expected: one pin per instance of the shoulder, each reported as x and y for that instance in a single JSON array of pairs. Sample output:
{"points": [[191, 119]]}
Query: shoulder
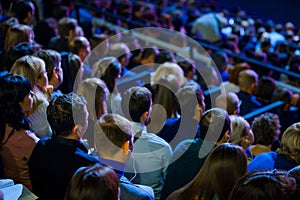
{"points": [[131, 191]]}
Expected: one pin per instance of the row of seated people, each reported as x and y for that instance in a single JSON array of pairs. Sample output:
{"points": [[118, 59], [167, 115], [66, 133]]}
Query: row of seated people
{"points": [[52, 161], [41, 97]]}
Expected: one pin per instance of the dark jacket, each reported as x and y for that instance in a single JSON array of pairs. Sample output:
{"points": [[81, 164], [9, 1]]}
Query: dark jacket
{"points": [[53, 163]]}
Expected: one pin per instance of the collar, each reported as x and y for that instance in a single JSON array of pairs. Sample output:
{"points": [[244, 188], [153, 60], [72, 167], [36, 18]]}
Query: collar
{"points": [[69, 142], [118, 167]]}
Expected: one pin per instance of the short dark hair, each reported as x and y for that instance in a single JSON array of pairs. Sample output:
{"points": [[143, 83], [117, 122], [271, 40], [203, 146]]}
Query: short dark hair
{"points": [[212, 120], [64, 112], [65, 25], [138, 100], [51, 58]]}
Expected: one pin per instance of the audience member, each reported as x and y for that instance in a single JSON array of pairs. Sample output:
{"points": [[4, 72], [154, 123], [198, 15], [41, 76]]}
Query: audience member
{"points": [[95, 92], [230, 102], [108, 69], [94, 182], [241, 132], [24, 11], [266, 129], [207, 27], [151, 153], [52, 61], [221, 60], [17, 141], [212, 182], [66, 30], [232, 85], [264, 90], [247, 83], [273, 185], [295, 173], [79, 45], [114, 142], [122, 53], [191, 106], [190, 154], [287, 155], [288, 115], [34, 70], [54, 160]]}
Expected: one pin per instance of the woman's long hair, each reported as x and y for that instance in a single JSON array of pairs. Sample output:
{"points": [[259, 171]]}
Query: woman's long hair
{"points": [[221, 170], [13, 89]]}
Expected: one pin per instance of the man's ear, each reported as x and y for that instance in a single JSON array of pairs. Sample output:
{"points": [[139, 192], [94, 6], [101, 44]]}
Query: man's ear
{"points": [[125, 146], [144, 117]]}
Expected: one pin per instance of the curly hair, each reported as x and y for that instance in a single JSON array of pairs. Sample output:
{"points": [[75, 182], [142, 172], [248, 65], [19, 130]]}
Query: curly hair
{"points": [[64, 112], [264, 128], [13, 89]]}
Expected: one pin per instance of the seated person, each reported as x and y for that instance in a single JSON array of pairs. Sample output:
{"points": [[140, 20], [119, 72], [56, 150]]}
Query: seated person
{"points": [[287, 156], [94, 182], [54, 160], [114, 142]]}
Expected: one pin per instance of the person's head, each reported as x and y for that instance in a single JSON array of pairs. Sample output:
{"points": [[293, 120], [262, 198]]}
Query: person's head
{"points": [[24, 11], [190, 99], [265, 88], [266, 128], [275, 185], [68, 116], [52, 61], [290, 142], [212, 181], [34, 69], [120, 51], [230, 102], [93, 182], [113, 137], [67, 27], [211, 121], [16, 34], [80, 46], [164, 56], [76, 70], [167, 69], [234, 74], [164, 94], [94, 91], [248, 80], [241, 133], [283, 94], [136, 104], [220, 58], [295, 173], [15, 99], [188, 68], [148, 55], [108, 69]]}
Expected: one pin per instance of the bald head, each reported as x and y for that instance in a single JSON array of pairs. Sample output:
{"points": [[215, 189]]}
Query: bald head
{"points": [[228, 101], [248, 80]]}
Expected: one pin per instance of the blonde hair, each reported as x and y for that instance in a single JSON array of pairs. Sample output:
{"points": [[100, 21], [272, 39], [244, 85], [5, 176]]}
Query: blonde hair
{"points": [[168, 68], [290, 142], [239, 129], [16, 34], [30, 67]]}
